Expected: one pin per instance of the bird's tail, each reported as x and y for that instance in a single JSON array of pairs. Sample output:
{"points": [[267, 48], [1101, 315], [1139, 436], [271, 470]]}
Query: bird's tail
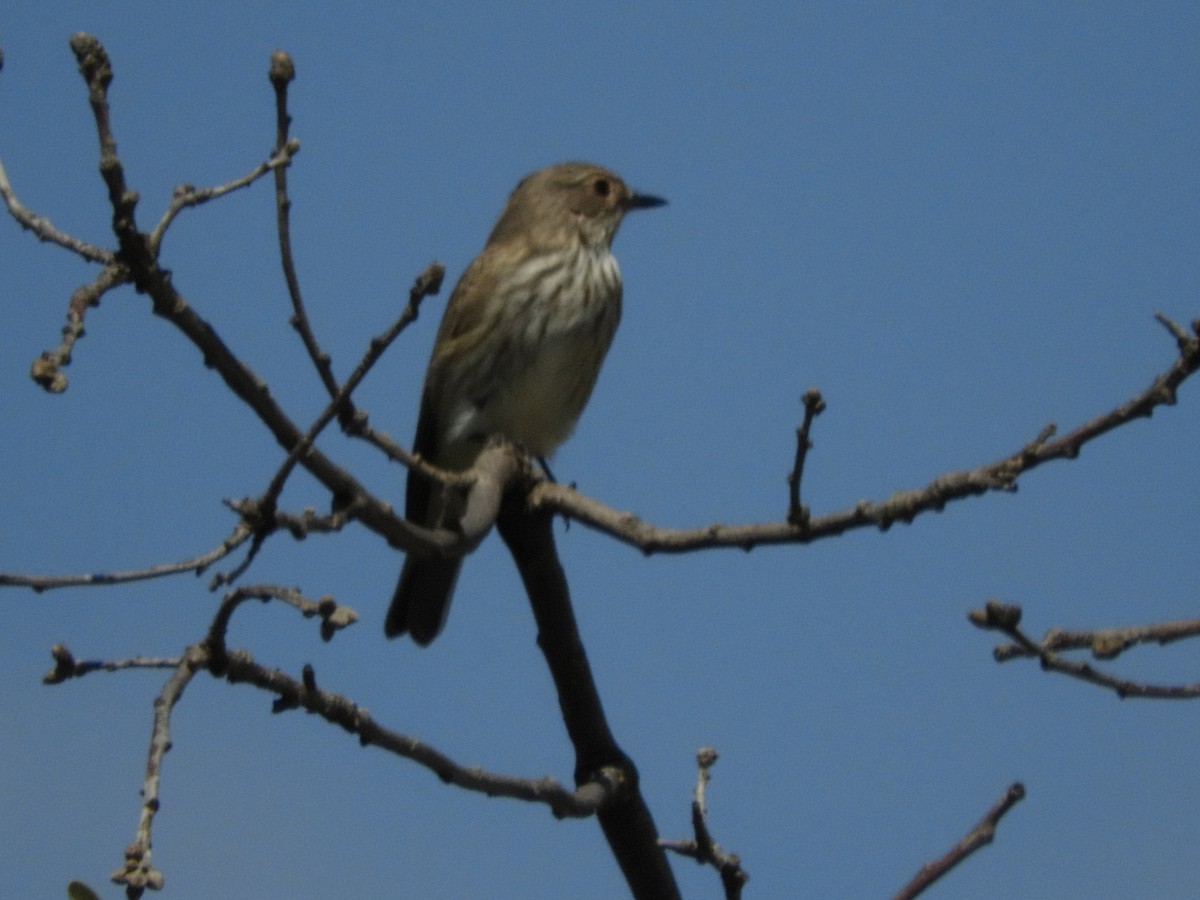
{"points": [[422, 598]]}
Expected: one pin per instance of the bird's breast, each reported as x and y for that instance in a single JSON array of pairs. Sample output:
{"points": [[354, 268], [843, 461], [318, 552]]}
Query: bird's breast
{"points": [[547, 351]]}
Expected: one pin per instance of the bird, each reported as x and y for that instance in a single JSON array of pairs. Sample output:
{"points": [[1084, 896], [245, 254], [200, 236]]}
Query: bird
{"points": [[516, 356]]}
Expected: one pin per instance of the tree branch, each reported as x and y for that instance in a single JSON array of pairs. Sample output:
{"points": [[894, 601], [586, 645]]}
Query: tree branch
{"points": [[238, 666], [902, 506], [814, 405], [606, 778], [149, 278], [66, 666], [626, 820], [187, 195], [44, 230], [138, 872], [1105, 643], [47, 369], [196, 564], [702, 848], [983, 833], [427, 283], [1006, 618], [281, 73]]}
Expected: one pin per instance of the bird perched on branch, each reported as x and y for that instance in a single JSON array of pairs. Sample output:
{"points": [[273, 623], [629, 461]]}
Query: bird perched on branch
{"points": [[517, 354]]}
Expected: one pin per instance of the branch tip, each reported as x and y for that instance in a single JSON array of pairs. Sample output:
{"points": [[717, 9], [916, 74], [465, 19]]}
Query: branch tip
{"points": [[282, 69], [814, 404], [93, 59]]}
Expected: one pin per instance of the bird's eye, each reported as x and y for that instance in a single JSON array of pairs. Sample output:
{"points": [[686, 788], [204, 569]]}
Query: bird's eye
{"points": [[602, 187]]}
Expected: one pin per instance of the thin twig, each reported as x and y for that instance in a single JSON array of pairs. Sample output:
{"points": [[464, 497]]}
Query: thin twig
{"points": [[1105, 643], [1006, 618], [814, 405], [96, 69], [427, 283], [282, 70], [187, 195], [44, 229], [702, 848], [983, 833], [260, 526], [196, 564], [341, 711], [47, 369], [238, 666], [66, 666], [334, 617], [138, 872]]}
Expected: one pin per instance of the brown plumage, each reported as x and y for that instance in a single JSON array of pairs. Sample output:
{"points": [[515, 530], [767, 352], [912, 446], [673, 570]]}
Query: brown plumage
{"points": [[517, 354]]}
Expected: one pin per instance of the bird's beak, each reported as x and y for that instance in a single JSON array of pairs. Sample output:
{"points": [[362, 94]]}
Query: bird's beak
{"points": [[644, 201]]}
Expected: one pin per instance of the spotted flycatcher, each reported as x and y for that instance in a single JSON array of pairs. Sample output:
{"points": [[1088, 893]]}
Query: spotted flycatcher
{"points": [[517, 353]]}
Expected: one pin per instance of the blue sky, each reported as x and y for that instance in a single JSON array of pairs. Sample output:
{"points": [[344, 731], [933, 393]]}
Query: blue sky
{"points": [[955, 220]]}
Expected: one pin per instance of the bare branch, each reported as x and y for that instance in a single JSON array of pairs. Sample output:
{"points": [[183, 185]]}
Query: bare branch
{"points": [[983, 833], [339, 710], [281, 72], [260, 525], [97, 71], [353, 422], [1177, 331], [1105, 643], [428, 282], [186, 195], [1006, 618], [333, 616], [238, 666], [814, 405], [626, 821], [486, 483], [149, 278], [903, 506], [138, 872], [66, 666], [702, 848], [44, 229], [196, 564], [47, 369], [348, 493]]}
